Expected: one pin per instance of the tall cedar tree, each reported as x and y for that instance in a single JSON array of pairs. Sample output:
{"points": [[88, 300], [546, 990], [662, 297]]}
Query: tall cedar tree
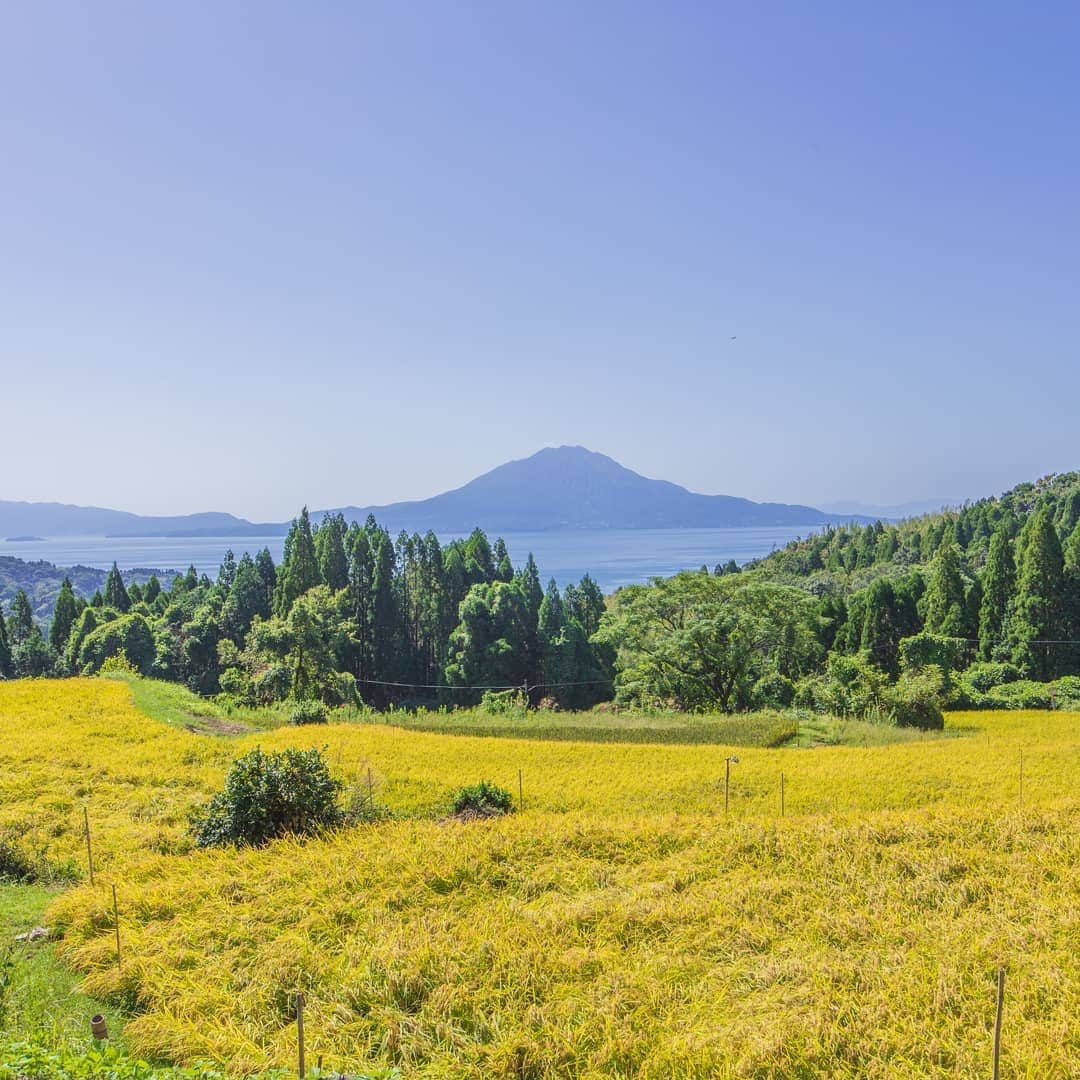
{"points": [[21, 620], [946, 612], [1039, 612], [63, 616], [152, 589], [879, 638], [116, 595], [998, 585], [299, 566], [5, 650], [330, 552], [504, 569]]}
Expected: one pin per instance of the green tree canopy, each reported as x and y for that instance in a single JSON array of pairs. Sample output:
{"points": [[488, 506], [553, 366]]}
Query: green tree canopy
{"points": [[700, 642]]}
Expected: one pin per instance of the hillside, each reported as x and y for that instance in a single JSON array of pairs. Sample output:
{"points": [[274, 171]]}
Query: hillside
{"points": [[41, 582], [61, 519]]}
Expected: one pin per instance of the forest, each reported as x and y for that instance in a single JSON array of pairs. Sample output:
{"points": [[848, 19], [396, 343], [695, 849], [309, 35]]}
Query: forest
{"points": [[978, 607]]}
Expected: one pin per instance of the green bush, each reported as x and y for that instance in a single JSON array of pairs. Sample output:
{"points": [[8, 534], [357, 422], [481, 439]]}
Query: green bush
{"points": [[985, 676], [850, 687], [129, 636], [483, 800], [1023, 694], [936, 650], [267, 796], [308, 712], [915, 700], [772, 691], [505, 703], [1067, 692]]}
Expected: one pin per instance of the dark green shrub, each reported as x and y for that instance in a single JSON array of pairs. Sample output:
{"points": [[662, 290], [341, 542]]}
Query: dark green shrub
{"points": [[308, 712], [985, 676], [915, 700], [772, 691], [1022, 694], [128, 636], [1067, 692], [266, 796], [483, 800], [926, 649]]}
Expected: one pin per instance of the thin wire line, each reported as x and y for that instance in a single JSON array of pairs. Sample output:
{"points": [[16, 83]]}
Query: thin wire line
{"points": [[516, 686]]}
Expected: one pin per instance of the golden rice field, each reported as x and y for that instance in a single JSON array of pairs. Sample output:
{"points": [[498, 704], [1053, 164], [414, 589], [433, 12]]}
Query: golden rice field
{"points": [[622, 925]]}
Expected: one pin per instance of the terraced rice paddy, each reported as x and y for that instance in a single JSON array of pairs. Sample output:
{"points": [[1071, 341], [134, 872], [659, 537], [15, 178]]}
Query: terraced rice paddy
{"points": [[621, 925]]}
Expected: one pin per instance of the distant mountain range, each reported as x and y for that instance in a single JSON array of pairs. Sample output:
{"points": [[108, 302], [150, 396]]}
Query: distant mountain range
{"points": [[896, 511], [567, 487]]}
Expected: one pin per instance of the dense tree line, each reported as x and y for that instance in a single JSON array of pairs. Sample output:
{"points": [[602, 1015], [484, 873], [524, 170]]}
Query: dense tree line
{"points": [[861, 620], [351, 614]]}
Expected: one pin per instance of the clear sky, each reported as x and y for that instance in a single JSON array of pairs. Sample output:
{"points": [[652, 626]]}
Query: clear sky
{"points": [[257, 255]]}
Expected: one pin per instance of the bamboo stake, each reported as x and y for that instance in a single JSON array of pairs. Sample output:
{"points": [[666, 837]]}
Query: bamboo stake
{"points": [[89, 852], [300, 1033], [997, 1022], [370, 789], [116, 923], [521, 796], [1021, 777], [781, 794]]}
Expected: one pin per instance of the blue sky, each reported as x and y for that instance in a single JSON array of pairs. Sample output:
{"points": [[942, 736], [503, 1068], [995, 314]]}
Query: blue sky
{"points": [[257, 255]]}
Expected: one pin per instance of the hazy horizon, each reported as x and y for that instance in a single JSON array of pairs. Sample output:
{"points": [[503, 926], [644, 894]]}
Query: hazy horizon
{"points": [[849, 506], [257, 258]]}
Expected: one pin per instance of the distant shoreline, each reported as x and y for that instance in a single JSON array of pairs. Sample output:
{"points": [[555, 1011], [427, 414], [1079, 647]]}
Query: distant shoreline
{"points": [[24, 539]]}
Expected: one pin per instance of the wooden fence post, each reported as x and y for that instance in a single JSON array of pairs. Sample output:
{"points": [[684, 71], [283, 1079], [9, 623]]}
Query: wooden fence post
{"points": [[89, 852], [997, 1022], [116, 923], [300, 1033]]}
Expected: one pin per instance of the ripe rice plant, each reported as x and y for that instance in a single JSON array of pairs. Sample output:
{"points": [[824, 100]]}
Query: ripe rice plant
{"points": [[620, 926]]}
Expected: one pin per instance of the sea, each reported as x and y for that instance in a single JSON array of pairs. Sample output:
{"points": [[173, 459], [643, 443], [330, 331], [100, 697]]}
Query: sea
{"points": [[613, 557]]}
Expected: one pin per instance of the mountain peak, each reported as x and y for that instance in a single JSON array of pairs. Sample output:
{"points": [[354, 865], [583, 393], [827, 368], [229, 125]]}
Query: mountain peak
{"points": [[578, 488]]}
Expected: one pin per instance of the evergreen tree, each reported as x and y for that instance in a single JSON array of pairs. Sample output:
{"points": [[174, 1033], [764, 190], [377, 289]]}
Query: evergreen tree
{"points": [[6, 670], [330, 552], [299, 566], [530, 584], [115, 594], [587, 605], [247, 600], [879, 638], [63, 616], [1070, 513], [264, 563], [504, 569], [946, 612], [152, 590], [361, 590], [21, 620], [479, 561], [1039, 616], [550, 623], [972, 611], [227, 572], [1071, 550], [385, 626]]}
